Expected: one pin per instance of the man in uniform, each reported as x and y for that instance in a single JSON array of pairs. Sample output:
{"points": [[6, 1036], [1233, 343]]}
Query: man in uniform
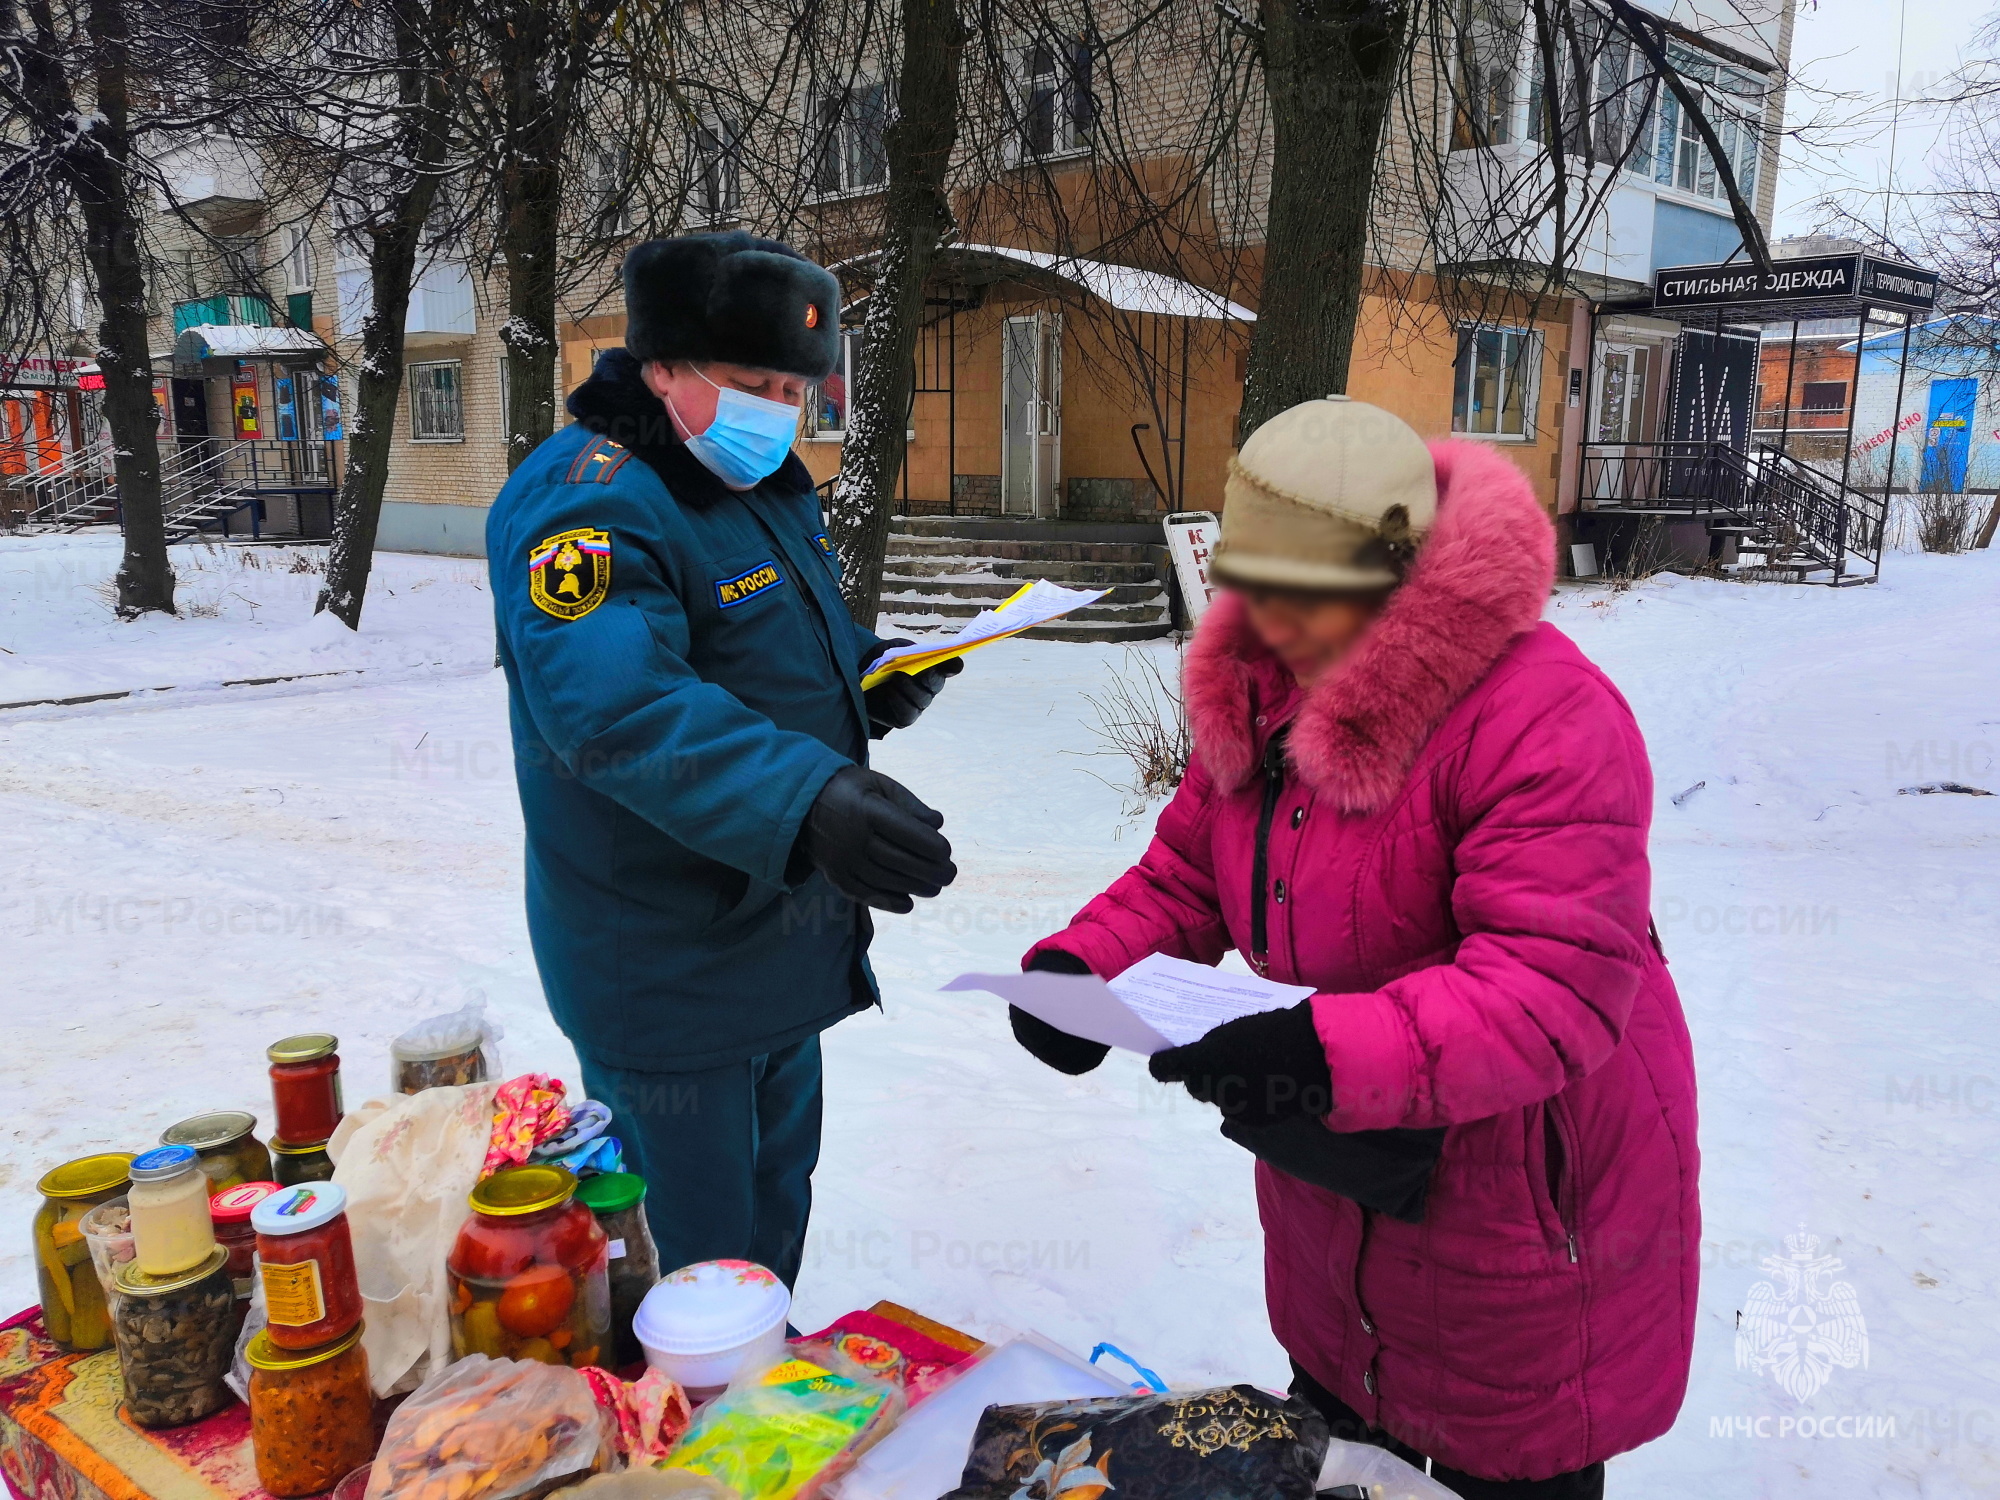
{"points": [[691, 742]]}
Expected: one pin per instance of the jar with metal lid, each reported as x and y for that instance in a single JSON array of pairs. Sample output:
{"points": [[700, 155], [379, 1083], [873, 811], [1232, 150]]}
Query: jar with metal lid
{"points": [[74, 1312], [227, 1145], [229, 1212], [312, 1416], [176, 1335], [170, 1225], [305, 1087], [528, 1272], [291, 1165], [618, 1199]]}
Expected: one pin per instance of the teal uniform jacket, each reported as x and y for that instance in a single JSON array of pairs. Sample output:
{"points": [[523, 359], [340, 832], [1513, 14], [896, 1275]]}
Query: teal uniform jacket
{"points": [[682, 680]]}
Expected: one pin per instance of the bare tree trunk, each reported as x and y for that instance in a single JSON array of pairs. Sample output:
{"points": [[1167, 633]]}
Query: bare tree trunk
{"points": [[529, 243], [1330, 70], [104, 187], [395, 241], [392, 262], [918, 143]]}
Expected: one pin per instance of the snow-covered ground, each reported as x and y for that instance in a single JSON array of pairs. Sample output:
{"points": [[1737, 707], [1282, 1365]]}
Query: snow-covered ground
{"points": [[184, 877]]}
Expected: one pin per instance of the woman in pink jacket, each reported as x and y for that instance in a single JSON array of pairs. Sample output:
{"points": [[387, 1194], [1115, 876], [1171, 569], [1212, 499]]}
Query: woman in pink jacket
{"points": [[1476, 1141]]}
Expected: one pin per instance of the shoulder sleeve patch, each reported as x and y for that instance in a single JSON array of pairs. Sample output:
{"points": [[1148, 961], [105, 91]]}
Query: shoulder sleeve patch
{"points": [[569, 574], [598, 460]]}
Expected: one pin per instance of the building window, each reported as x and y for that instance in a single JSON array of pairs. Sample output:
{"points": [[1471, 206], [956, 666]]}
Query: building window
{"points": [[1823, 395], [298, 259], [827, 402], [1671, 149], [715, 172], [614, 190], [1056, 106], [437, 406], [847, 140], [1483, 84], [1493, 383]]}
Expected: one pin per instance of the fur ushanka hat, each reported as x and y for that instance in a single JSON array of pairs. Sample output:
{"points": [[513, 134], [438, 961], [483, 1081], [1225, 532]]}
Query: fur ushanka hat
{"points": [[735, 298]]}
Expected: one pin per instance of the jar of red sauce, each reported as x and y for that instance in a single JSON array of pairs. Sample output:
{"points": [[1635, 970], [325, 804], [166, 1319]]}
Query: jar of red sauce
{"points": [[305, 1258], [229, 1211], [528, 1273], [305, 1087]]}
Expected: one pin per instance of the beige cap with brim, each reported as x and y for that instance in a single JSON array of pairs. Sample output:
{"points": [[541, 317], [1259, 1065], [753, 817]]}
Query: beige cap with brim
{"points": [[1331, 496]]}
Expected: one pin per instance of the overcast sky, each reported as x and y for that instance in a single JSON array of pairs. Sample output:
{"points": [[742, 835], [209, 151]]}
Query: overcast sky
{"points": [[1844, 52]]}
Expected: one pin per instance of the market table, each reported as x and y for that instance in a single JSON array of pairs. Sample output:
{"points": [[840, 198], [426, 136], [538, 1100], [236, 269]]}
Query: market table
{"points": [[62, 1436]]}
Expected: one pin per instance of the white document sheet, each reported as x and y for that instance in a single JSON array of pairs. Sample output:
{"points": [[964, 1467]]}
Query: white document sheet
{"points": [[1081, 1004], [1158, 1003], [1185, 1001], [1037, 604]]}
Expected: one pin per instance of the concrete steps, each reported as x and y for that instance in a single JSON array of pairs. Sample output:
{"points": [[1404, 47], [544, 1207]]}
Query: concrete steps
{"points": [[942, 570]]}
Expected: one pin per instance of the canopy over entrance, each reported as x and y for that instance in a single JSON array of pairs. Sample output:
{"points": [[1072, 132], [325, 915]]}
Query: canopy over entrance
{"points": [[1126, 288]]}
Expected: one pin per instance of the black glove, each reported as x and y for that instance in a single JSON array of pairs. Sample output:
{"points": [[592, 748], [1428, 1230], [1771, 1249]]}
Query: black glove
{"points": [[1256, 1069], [1061, 1051], [875, 841], [1386, 1170], [897, 700]]}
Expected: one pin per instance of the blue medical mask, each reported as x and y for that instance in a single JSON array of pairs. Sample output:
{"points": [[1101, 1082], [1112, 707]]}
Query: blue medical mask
{"points": [[748, 439]]}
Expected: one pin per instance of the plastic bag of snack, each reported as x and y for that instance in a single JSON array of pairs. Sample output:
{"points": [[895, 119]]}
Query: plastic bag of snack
{"points": [[787, 1432], [1231, 1443], [492, 1429]]}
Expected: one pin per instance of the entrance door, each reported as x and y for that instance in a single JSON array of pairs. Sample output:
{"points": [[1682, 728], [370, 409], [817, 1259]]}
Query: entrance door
{"points": [[1948, 444], [1030, 413], [1619, 420], [309, 423], [190, 408]]}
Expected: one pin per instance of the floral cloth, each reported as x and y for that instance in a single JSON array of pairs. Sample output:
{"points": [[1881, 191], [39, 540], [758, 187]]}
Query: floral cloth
{"points": [[526, 1111], [650, 1413]]}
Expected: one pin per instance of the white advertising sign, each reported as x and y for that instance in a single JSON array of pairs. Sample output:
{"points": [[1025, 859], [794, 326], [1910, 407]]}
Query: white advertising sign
{"points": [[1190, 539]]}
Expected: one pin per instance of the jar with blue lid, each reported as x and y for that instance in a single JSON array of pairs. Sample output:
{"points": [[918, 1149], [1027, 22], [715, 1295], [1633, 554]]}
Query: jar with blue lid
{"points": [[171, 1228]]}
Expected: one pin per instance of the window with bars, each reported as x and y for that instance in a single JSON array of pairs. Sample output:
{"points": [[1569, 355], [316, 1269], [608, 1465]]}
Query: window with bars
{"points": [[1493, 384], [847, 139], [1823, 395], [437, 405]]}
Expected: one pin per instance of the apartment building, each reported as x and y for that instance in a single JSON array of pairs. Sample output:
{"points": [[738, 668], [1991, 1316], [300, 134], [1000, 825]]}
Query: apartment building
{"points": [[1053, 379]]}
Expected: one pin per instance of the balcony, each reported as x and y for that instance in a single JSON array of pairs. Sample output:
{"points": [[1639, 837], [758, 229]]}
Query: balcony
{"points": [[212, 177], [238, 309], [441, 309]]}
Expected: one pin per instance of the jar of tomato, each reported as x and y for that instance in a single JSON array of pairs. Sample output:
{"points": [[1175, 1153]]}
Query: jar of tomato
{"points": [[305, 1087], [305, 1258], [312, 1417], [528, 1272]]}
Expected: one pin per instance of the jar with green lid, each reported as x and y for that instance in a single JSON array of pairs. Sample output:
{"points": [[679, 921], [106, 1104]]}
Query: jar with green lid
{"points": [[618, 1199], [292, 1165], [226, 1142], [73, 1306], [176, 1335]]}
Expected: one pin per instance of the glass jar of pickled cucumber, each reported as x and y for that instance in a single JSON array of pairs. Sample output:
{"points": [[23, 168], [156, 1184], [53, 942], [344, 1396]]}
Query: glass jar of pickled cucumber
{"points": [[226, 1142], [292, 1165], [73, 1305]]}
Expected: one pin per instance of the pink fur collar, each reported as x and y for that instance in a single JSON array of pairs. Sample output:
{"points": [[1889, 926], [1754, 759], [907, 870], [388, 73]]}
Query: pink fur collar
{"points": [[1480, 579]]}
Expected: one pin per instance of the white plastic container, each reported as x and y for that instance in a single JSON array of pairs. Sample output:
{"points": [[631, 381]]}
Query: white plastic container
{"points": [[705, 1324]]}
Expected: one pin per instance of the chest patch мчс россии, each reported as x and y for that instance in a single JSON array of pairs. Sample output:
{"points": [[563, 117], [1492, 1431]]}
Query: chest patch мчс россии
{"points": [[730, 592]]}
